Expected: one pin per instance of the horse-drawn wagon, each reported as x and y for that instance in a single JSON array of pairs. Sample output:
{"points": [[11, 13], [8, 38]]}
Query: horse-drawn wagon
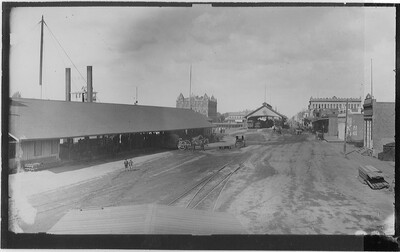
{"points": [[240, 142], [191, 144]]}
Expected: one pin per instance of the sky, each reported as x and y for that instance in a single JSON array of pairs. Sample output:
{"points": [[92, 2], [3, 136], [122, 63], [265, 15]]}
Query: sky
{"points": [[243, 56]]}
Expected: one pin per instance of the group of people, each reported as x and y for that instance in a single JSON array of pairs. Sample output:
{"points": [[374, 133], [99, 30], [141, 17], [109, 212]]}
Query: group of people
{"points": [[128, 164]]}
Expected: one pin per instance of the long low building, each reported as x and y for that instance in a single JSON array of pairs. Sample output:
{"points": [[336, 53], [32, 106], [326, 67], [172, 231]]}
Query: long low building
{"points": [[37, 127]]}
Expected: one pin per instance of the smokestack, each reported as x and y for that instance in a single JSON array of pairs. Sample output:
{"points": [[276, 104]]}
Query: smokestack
{"points": [[68, 84], [89, 84]]}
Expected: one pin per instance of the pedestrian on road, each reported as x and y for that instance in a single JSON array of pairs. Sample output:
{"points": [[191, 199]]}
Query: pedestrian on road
{"points": [[202, 145], [130, 164], [126, 164]]}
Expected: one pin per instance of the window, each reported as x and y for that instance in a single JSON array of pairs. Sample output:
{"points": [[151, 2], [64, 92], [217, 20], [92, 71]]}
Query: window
{"points": [[54, 146], [37, 148]]}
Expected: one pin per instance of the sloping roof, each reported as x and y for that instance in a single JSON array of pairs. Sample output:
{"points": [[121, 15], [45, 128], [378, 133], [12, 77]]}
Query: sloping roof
{"points": [[147, 219], [265, 110], [46, 119]]}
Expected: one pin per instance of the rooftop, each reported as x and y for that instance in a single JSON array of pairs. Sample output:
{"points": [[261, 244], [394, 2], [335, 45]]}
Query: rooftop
{"points": [[48, 119]]}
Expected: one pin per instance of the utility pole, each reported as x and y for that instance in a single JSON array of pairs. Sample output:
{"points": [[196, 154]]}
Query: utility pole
{"points": [[265, 93], [41, 56], [137, 99], [345, 129], [270, 95], [372, 89], [190, 87]]}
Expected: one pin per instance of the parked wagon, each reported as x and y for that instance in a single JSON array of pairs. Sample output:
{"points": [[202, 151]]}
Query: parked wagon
{"points": [[184, 144], [240, 142]]}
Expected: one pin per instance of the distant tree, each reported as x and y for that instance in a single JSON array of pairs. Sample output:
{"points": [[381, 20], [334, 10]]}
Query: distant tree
{"points": [[221, 117], [17, 95]]}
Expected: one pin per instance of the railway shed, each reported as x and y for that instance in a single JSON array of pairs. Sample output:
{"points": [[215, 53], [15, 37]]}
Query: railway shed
{"points": [[47, 131], [264, 117]]}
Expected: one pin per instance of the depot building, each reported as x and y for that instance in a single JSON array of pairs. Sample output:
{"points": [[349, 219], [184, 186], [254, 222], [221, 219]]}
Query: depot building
{"points": [[264, 117], [48, 131]]}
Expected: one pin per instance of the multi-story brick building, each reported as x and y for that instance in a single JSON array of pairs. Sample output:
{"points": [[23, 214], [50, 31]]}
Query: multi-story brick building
{"points": [[334, 103], [202, 104], [379, 124]]}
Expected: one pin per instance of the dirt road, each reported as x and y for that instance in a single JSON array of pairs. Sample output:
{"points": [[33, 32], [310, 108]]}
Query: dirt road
{"points": [[288, 184]]}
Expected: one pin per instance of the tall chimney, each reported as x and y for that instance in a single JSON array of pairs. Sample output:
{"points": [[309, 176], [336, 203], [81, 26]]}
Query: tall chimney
{"points": [[68, 84], [89, 84]]}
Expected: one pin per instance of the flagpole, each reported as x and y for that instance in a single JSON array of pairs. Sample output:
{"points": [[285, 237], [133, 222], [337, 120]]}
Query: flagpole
{"points": [[41, 57], [190, 87], [372, 89]]}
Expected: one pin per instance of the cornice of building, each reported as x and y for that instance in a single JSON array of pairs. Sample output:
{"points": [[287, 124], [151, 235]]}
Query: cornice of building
{"points": [[334, 99]]}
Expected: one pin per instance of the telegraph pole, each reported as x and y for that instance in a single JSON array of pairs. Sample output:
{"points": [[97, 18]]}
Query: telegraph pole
{"points": [[372, 89], [345, 129], [190, 87], [41, 56], [265, 93], [137, 99]]}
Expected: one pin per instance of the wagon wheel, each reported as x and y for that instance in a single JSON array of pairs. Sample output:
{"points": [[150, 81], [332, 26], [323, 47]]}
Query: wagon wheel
{"points": [[182, 145], [187, 144]]}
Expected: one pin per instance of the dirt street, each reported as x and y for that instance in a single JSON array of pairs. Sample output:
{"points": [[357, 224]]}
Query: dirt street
{"points": [[288, 184]]}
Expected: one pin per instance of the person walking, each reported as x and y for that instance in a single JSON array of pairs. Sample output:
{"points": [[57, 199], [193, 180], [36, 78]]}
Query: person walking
{"points": [[130, 164], [126, 164]]}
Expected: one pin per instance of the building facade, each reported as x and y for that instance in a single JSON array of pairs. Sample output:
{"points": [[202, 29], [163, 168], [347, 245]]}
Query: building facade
{"points": [[204, 105], [339, 104], [379, 124], [355, 127], [237, 117]]}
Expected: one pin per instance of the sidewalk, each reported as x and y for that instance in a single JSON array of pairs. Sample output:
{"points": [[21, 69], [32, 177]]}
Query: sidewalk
{"points": [[30, 183]]}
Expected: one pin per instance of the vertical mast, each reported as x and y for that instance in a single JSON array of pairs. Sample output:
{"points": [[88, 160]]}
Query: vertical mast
{"points": [[265, 93], [372, 90], [136, 102], [270, 95], [41, 56], [190, 87]]}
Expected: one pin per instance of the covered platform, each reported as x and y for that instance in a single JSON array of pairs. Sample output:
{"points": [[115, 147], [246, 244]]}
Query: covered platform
{"points": [[45, 131]]}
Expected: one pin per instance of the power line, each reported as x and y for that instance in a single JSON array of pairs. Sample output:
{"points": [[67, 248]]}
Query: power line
{"points": [[65, 53]]}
